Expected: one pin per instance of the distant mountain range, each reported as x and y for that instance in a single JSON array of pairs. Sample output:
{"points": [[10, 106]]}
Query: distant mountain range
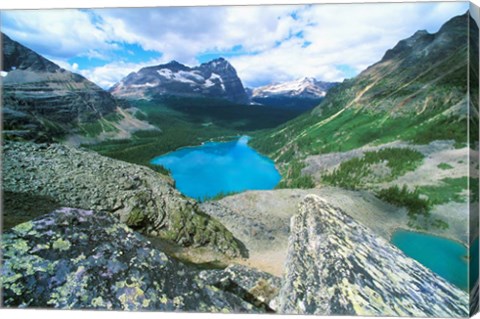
{"points": [[214, 79], [42, 101], [307, 88], [303, 93]]}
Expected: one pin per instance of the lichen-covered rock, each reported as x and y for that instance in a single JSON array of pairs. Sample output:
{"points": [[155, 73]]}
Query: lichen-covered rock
{"points": [[138, 196], [336, 266], [258, 287], [74, 258]]}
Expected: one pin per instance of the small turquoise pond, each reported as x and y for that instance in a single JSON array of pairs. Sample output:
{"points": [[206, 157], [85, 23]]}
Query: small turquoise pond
{"points": [[219, 168], [445, 257]]}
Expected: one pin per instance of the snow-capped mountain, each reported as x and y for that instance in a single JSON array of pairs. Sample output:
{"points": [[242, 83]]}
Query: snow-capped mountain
{"points": [[214, 79], [304, 93], [303, 88]]}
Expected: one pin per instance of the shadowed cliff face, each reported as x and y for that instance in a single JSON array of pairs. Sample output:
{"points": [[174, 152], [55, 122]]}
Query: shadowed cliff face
{"points": [[80, 259], [42, 101], [139, 197], [336, 266], [215, 79]]}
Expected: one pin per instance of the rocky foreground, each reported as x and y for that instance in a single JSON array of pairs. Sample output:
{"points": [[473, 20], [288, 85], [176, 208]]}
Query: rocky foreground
{"points": [[79, 259], [139, 197], [83, 259]]}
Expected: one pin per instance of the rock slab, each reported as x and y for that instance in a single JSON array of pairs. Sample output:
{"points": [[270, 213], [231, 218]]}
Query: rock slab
{"points": [[336, 266]]}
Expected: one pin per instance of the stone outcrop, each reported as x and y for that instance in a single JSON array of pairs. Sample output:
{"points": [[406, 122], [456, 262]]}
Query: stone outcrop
{"points": [[141, 198], [80, 259], [258, 287], [42, 101], [336, 266], [214, 79]]}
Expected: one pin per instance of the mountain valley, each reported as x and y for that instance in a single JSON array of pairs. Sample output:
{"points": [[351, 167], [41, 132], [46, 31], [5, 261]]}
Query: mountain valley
{"points": [[394, 148]]}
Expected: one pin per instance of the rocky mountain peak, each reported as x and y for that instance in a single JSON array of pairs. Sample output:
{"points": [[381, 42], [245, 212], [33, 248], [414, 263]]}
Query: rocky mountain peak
{"points": [[307, 79], [419, 39], [450, 36], [455, 24], [173, 63], [18, 57], [213, 79], [218, 64], [305, 87]]}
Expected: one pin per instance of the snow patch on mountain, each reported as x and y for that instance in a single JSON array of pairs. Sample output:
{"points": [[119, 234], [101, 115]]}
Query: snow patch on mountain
{"points": [[217, 79], [306, 87], [148, 84]]}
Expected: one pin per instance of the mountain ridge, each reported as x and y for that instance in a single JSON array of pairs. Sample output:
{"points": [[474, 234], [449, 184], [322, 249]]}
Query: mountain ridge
{"points": [[42, 101]]}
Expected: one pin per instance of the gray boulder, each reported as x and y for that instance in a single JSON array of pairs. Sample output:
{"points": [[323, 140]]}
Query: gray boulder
{"points": [[257, 287], [336, 266]]}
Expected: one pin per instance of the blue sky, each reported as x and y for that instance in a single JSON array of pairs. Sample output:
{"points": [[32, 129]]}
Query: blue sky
{"points": [[266, 44]]}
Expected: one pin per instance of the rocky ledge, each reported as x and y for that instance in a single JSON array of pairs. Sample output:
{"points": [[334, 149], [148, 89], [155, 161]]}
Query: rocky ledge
{"points": [[336, 266], [79, 259], [139, 197]]}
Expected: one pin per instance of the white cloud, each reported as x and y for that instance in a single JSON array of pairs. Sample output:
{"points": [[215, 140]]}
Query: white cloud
{"points": [[107, 75], [63, 64], [352, 35], [182, 33], [58, 33]]}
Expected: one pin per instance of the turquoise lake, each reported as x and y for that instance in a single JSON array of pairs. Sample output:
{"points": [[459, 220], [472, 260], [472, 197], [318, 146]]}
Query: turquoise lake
{"points": [[219, 167], [445, 257]]}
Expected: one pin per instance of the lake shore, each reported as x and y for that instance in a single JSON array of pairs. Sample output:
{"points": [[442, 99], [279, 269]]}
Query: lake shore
{"points": [[261, 219]]}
